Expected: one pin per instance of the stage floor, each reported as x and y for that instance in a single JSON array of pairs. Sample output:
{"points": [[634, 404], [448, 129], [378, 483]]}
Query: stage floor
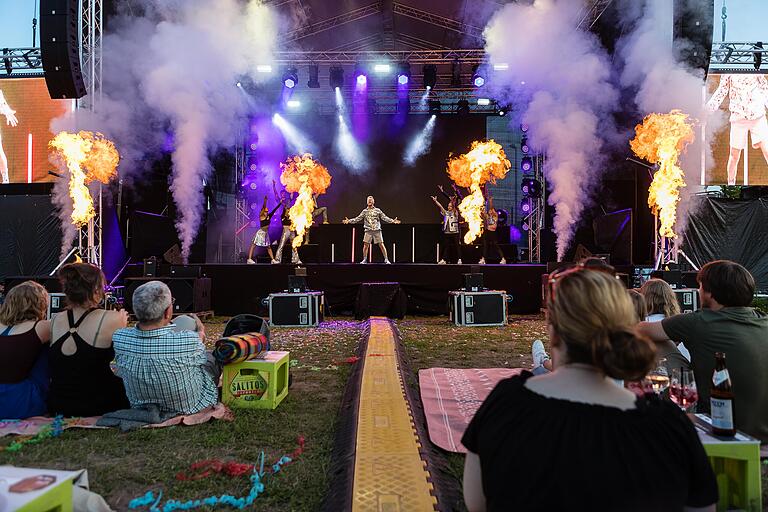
{"points": [[237, 288]]}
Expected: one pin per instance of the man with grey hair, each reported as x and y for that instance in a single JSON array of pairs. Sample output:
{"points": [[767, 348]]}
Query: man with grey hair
{"points": [[163, 362]]}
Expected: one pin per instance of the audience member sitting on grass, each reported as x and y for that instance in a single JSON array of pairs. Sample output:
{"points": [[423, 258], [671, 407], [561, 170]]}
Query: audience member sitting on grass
{"points": [[161, 364], [24, 335], [725, 324], [82, 381], [662, 303], [571, 439]]}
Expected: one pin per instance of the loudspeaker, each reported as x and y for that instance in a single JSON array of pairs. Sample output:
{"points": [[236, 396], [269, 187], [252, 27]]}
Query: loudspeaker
{"points": [[473, 282], [692, 31], [60, 48], [150, 267], [192, 295]]}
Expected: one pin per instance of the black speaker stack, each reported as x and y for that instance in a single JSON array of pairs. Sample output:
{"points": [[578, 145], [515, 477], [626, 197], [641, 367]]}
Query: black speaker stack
{"points": [[192, 294], [60, 48]]}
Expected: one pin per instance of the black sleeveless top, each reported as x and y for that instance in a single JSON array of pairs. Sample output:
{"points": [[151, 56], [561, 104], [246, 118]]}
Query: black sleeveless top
{"points": [[541, 453], [285, 218], [83, 384], [18, 353]]}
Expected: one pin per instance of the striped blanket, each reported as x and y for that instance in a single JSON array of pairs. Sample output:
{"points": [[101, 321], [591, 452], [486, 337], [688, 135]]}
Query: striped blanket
{"points": [[240, 347]]}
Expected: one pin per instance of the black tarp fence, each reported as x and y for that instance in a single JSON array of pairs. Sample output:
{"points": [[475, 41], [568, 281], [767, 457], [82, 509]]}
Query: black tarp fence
{"points": [[731, 230]]}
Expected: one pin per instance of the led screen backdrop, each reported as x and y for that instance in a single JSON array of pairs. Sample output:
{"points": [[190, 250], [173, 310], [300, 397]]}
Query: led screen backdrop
{"points": [[744, 98], [26, 145]]}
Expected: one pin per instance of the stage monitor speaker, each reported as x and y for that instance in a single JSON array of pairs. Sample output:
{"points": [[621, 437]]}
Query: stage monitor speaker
{"points": [[692, 31], [192, 295], [297, 284], [60, 48], [186, 271], [473, 282]]}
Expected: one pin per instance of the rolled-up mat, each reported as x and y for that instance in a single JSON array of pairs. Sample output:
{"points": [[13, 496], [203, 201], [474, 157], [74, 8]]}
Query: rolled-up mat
{"points": [[240, 347]]}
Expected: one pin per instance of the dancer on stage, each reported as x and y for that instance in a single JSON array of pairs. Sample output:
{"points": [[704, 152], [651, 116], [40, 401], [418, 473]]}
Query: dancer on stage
{"points": [[319, 210], [10, 119], [288, 234], [490, 237], [451, 241], [372, 217], [748, 99], [261, 239]]}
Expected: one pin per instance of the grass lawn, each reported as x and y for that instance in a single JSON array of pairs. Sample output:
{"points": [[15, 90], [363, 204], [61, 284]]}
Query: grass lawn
{"points": [[124, 466]]}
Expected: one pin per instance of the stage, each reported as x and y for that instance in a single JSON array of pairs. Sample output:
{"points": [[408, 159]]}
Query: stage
{"points": [[239, 288]]}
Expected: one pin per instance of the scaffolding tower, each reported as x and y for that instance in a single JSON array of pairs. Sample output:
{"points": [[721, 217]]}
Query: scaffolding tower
{"points": [[91, 21]]}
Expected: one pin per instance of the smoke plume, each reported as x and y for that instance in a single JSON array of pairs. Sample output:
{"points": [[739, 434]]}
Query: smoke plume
{"points": [[174, 68], [561, 77]]}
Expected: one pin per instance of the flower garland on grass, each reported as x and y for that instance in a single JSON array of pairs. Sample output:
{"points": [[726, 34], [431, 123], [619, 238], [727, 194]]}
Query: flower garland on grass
{"points": [[53, 430], [206, 468]]}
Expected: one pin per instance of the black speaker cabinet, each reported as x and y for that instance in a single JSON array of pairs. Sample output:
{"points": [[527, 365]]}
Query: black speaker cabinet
{"points": [[692, 31], [192, 295], [60, 48]]}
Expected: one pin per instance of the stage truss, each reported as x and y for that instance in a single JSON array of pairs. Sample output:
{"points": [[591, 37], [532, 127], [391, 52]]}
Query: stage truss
{"points": [[536, 218], [91, 20]]}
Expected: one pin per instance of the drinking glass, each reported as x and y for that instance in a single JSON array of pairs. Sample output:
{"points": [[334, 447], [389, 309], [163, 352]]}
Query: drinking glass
{"points": [[682, 389], [658, 378]]}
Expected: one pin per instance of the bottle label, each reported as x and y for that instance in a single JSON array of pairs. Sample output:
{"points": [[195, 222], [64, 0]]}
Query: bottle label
{"points": [[720, 377], [722, 413]]}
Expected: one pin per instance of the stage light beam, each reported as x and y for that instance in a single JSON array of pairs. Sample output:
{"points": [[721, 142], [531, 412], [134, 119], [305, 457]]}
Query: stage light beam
{"points": [[297, 141], [421, 144], [348, 149]]}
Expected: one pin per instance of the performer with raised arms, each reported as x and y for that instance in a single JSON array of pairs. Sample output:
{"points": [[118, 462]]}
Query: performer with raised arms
{"points": [[261, 239], [451, 241], [372, 218]]}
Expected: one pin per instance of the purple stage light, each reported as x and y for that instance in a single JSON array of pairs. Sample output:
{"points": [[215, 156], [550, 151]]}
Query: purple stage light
{"points": [[479, 81], [402, 79], [289, 83], [362, 80]]}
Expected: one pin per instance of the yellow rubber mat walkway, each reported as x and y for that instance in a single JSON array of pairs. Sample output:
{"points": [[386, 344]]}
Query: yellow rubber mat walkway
{"points": [[389, 472]]}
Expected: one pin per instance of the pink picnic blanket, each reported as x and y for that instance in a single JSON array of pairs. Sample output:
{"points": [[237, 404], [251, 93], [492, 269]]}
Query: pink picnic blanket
{"points": [[451, 396], [31, 426]]}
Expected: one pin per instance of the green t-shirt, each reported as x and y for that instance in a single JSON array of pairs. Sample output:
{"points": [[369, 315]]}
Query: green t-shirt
{"points": [[742, 335]]}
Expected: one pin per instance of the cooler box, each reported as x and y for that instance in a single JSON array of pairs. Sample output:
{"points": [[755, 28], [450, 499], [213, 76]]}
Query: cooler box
{"points": [[260, 383], [296, 309], [478, 308]]}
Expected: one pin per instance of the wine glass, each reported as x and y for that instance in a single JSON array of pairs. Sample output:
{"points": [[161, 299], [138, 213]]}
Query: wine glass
{"points": [[658, 378], [682, 389]]}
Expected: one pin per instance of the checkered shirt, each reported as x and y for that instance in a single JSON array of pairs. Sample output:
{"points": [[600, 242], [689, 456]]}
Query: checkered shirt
{"points": [[165, 368]]}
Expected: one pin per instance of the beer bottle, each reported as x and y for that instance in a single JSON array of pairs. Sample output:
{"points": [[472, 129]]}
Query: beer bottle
{"points": [[721, 399]]}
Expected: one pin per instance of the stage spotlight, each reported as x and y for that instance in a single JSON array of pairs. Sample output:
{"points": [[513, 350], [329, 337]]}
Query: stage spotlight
{"points": [[314, 74], [758, 56], [503, 110], [524, 128], [361, 79], [290, 78], [239, 84], [430, 75], [530, 186], [483, 101], [293, 104], [526, 164], [478, 79], [264, 68], [501, 66], [336, 77], [403, 73], [456, 73], [382, 68], [525, 226], [526, 206], [434, 106], [462, 107], [524, 147]]}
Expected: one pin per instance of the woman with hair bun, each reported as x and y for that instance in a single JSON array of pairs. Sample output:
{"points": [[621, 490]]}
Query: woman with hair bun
{"points": [[82, 381], [573, 440], [24, 334]]}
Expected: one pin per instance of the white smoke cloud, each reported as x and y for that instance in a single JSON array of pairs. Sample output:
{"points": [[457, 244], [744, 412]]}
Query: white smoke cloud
{"points": [[662, 83], [420, 144], [561, 76], [175, 68]]}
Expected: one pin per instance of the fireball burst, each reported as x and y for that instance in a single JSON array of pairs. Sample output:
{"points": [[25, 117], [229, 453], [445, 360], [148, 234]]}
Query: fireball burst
{"points": [[306, 176], [88, 157], [660, 139], [484, 162]]}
